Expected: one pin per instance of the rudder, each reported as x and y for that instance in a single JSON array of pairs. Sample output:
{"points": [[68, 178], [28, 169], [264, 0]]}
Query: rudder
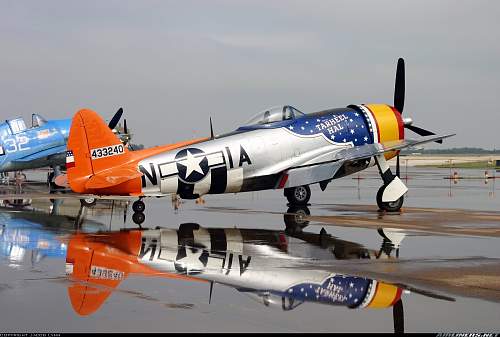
{"points": [[92, 148]]}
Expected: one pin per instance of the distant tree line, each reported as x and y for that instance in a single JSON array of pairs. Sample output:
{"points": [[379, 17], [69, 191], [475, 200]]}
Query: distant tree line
{"points": [[455, 150]]}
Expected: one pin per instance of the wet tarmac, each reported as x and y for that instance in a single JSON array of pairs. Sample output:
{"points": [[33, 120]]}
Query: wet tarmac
{"points": [[248, 262]]}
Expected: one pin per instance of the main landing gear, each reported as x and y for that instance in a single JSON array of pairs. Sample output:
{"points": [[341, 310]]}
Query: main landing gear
{"points": [[298, 195], [138, 207]]}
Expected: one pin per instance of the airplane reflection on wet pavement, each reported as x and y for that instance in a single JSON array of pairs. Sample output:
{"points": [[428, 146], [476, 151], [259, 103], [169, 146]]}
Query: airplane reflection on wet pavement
{"points": [[274, 267]]}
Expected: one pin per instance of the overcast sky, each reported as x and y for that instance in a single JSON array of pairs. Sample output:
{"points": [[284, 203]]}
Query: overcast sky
{"points": [[171, 65]]}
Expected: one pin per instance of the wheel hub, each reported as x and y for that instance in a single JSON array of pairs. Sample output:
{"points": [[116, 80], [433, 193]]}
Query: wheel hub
{"points": [[300, 193]]}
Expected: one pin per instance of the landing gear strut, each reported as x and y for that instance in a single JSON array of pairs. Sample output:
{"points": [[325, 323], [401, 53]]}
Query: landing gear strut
{"points": [[298, 195]]}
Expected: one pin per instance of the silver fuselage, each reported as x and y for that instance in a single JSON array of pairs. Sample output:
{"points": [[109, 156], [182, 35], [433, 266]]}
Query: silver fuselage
{"points": [[257, 159]]}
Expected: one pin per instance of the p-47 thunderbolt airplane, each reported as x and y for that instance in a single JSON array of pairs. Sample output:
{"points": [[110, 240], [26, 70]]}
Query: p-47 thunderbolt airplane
{"points": [[279, 148]]}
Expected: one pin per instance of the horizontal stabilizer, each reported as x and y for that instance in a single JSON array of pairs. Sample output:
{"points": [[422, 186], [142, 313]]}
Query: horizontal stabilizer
{"points": [[110, 178]]}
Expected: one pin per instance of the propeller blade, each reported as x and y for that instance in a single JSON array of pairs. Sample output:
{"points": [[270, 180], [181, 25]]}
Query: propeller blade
{"points": [[398, 316], [116, 118], [422, 132], [125, 129], [399, 87]]}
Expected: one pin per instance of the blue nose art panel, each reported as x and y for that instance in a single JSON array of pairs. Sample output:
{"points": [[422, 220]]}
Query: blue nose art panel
{"points": [[341, 126], [335, 289]]}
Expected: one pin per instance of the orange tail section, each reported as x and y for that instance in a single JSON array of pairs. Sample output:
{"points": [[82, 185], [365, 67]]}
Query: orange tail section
{"points": [[92, 150], [97, 263], [98, 163]]}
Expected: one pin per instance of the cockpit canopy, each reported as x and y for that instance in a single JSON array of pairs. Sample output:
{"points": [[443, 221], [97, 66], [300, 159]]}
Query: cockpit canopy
{"points": [[18, 125], [273, 115]]}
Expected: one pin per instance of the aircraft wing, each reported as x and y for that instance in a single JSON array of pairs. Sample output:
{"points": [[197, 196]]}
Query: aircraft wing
{"points": [[370, 150], [313, 171], [42, 154]]}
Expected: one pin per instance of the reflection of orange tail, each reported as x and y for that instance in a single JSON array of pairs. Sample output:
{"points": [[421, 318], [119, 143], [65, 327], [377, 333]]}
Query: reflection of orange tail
{"points": [[98, 263], [97, 269]]}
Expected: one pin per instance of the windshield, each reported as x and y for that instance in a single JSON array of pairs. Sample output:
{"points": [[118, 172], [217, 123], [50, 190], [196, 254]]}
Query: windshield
{"points": [[37, 120], [275, 114]]}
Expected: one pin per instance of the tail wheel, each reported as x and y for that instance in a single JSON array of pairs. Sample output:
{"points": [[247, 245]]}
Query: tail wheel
{"points": [[138, 206], [88, 202], [392, 206], [298, 195]]}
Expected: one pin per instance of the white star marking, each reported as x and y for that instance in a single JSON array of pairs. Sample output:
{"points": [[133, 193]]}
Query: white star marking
{"points": [[192, 164], [345, 140], [307, 122], [290, 127], [356, 114], [366, 139], [350, 120], [302, 127], [352, 131], [351, 284]]}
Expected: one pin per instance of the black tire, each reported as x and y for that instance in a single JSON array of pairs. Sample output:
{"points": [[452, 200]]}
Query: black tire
{"points": [[138, 218], [393, 206], [298, 195], [88, 202], [138, 206], [294, 219]]}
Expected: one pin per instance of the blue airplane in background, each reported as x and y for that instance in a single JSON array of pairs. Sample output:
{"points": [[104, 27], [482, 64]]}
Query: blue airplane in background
{"points": [[43, 144]]}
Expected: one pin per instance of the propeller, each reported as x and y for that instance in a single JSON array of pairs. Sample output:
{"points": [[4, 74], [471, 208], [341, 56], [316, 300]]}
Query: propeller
{"points": [[116, 118], [399, 87], [399, 101]]}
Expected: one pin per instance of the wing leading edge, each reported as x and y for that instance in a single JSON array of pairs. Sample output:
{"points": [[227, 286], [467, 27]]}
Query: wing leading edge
{"points": [[310, 173]]}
